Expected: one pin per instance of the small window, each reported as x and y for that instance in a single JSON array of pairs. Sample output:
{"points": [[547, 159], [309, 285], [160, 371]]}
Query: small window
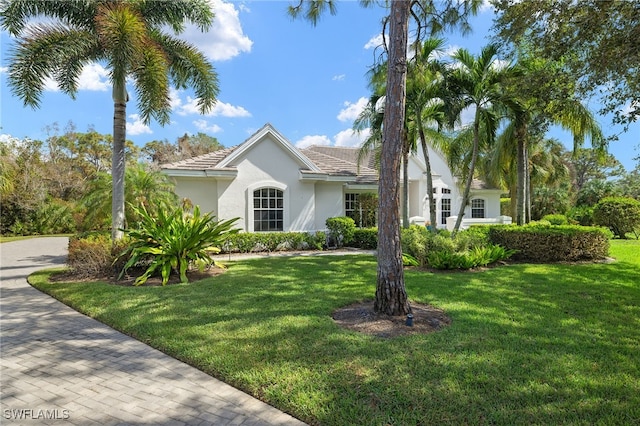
{"points": [[446, 191], [350, 202], [435, 190], [445, 210], [268, 210], [477, 208]]}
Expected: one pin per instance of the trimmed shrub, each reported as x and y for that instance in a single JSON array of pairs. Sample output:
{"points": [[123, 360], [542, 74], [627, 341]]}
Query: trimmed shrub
{"points": [[341, 229], [549, 243], [556, 219], [582, 215], [248, 242], [365, 238], [620, 214]]}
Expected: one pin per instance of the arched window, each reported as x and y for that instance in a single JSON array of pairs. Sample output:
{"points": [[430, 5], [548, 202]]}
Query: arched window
{"points": [[268, 209], [477, 208]]}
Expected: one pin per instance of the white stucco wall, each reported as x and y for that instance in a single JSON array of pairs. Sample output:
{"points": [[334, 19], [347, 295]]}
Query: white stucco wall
{"points": [[267, 164], [329, 202], [200, 191]]}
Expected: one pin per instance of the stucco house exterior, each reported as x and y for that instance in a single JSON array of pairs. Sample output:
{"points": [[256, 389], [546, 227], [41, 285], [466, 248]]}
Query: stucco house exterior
{"points": [[273, 186]]}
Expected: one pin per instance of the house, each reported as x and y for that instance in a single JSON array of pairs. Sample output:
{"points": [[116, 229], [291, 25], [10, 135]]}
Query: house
{"points": [[273, 186]]}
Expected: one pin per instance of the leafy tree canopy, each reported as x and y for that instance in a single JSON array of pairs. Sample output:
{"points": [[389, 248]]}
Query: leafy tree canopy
{"points": [[593, 39], [186, 146]]}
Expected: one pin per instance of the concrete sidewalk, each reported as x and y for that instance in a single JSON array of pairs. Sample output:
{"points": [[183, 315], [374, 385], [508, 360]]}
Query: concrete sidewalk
{"points": [[58, 366]]}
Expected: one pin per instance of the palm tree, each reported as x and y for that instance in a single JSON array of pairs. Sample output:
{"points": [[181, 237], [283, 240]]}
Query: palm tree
{"points": [[542, 99], [477, 82], [145, 188], [129, 38], [426, 107]]}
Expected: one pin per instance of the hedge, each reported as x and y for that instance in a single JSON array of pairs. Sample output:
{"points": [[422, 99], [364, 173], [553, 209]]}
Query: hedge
{"points": [[552, 243]]}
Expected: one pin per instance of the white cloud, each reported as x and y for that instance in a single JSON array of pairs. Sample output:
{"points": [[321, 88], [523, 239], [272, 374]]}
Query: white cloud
{"points": [[486, 6], [4, 70], [94, 77], [374, 42], [351, 111], [205, 127], [308, 141], [225, 38], [350, 138], [340, 77], [221, 109], [137, 127], [228, 110]]}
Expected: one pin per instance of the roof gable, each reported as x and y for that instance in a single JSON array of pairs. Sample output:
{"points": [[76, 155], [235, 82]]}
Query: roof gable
{"points": [[267, 130]]}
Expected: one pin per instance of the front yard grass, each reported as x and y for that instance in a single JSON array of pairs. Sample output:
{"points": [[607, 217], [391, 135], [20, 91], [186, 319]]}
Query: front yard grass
{"points": [[528, 343]]}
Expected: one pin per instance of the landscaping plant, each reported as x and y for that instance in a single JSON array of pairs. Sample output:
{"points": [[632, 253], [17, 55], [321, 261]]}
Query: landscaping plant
{"points": [[175, 240], [620, 214]]}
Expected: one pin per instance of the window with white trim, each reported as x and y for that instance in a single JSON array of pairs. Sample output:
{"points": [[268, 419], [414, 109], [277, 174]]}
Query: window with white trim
{"points": [[268, 209], [477, 208], [445, 210], [350, 202]]}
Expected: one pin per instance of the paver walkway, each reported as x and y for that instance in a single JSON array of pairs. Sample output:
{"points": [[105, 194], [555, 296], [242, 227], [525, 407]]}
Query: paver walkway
{"points": [[58, 366]]}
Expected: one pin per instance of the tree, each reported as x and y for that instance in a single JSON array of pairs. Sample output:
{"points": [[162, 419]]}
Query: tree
{"points": [[129, 38], [426, 108], [591, 38], [146, 189], [391, 296], [186, 146], [477, 82], [589, 164], [544, 95]]}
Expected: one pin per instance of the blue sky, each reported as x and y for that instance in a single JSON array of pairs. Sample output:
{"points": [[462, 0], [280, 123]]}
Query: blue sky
{"points": [[309, 82]]}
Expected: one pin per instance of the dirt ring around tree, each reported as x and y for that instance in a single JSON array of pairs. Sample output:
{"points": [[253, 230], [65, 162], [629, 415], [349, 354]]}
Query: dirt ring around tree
{"points": [[360, 317]]}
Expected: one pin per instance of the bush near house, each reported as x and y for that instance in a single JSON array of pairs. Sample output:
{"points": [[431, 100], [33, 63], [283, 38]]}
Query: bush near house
{"points": [[620, 214], [365, 238], [468, 249], [248, 242], [341, 230], [545, 243], [174, 241]]}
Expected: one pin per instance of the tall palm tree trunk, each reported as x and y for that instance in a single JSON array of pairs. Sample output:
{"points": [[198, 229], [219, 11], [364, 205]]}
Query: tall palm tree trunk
{"points": [[391, 295], [522, 189], [118, 160], [432, 200], [405, 181], [472, 167]]}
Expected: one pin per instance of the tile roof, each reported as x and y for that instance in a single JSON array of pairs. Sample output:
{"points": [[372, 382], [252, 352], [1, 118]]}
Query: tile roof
{"points": [[338, 161], [334, 161], [203, 162], [331, 160]]}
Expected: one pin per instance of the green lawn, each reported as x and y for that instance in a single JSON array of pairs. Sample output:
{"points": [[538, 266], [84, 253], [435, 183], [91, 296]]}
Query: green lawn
{"points": [[528, 344]]}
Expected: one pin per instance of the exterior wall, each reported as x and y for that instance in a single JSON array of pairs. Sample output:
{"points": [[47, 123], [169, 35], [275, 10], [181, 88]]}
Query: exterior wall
{"points": [[329, 202], [200, 191], [307, 204], [267, 164], [491, 202]]}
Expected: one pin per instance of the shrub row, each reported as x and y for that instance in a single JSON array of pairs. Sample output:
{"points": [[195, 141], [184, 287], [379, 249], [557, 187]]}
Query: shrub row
{"points": [[547, 243], [249, 242], [469, 249]]}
